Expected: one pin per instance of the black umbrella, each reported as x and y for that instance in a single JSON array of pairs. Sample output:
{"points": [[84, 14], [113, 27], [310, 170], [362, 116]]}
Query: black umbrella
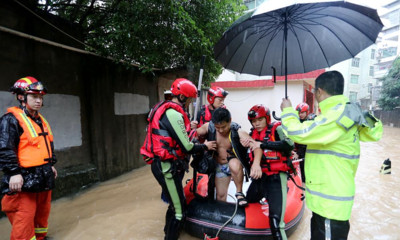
{"points": [[297, 37]]}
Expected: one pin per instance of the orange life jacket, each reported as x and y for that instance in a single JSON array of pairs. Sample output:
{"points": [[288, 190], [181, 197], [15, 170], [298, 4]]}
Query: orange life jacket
{"points": [[34, 144], [158, 142], [273, 161]]}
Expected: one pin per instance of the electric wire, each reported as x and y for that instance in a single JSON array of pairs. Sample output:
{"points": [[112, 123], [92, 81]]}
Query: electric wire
{"points": [[55, 27]]}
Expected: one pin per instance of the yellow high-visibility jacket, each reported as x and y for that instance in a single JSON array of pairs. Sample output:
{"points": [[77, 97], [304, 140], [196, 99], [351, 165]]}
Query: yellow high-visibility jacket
{"points": [[333, 152]]}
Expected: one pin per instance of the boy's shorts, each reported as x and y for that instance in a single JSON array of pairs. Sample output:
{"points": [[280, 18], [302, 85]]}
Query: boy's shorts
{"points": [[222, 170]]}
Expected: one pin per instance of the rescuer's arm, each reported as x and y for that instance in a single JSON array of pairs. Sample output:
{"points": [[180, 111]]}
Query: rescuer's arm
{"points": [[373, 132], [53, 160], [9, 140], [322, 130], [255, 170], [282, 143], [247, 141], [175, 125]]}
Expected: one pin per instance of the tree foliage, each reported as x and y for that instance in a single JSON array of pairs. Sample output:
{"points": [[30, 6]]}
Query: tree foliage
{"points": [[390, 93], [161, 34]]}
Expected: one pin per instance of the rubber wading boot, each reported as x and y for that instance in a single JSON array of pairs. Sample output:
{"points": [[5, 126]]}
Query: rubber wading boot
{"points": [[276, 234]]}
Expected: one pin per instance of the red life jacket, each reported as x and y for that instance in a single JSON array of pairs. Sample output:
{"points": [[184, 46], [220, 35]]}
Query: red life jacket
{"points": [[205, 115], [273, 161], [158, 143]]}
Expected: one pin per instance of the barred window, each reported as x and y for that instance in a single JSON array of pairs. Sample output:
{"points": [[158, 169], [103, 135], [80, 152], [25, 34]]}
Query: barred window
{"points": [[355, 62]]}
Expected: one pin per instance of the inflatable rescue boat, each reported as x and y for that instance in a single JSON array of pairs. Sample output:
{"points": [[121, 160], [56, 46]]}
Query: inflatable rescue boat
{"points": [[225, 220]]}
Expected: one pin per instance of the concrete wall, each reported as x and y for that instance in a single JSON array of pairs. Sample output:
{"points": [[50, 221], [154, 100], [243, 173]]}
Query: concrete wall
{"points": [[240, 100], [97, 109]]}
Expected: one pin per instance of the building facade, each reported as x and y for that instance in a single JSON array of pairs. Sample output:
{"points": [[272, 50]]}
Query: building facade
{"points": [[388, 44]]}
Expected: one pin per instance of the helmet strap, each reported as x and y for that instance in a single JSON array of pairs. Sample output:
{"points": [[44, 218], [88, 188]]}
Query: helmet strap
{"points": [[182, 99], [213, 107], [24, 100]]}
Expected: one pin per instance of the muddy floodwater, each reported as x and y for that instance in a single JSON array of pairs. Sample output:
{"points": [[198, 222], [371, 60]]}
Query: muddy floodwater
{"points": [[129, 207]]}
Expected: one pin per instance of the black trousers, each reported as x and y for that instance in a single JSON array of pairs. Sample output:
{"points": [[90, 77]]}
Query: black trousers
{"points": [[169, 175], [274, 189], [324, 228]]}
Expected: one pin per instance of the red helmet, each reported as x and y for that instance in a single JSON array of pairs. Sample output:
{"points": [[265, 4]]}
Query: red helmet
{"points": [[184, 87], [259, 111], [214, 92], [28, 85], [303, 107]]}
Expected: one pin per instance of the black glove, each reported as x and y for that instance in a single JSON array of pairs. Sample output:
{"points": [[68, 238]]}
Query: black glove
{"points": [[370, 119]]}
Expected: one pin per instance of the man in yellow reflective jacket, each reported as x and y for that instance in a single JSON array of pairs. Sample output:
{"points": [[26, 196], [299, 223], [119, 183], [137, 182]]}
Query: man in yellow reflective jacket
{"points": [[333, 152]]}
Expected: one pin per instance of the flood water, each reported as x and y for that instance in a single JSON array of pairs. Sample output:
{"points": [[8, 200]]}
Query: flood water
{"points": [[129, 207]]}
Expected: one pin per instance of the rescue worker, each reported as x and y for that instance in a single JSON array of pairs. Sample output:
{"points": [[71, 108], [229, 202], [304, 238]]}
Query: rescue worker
{"points": [[231, 155], [333, 153], [166, 148], [303, 109], [269, 172], [215, 97], [27, 160]]}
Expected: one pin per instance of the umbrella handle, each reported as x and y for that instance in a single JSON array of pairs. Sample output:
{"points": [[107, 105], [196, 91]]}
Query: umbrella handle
{"points": [[274, 73], [276, 118]]}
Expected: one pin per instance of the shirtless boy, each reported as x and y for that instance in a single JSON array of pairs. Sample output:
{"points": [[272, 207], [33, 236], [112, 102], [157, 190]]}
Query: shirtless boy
{"points": [[230, 154]]}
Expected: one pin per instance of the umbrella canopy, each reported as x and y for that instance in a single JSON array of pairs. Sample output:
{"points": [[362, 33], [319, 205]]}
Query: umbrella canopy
{"points": [[297, 36]]}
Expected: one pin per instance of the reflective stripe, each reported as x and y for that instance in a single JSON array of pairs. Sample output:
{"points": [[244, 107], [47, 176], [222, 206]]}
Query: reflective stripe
{"points": [[330, 197], [336, 154], [305, 130], [27, 80], [337, 106], [41, 230], [328, 234], [33, 238], [284, 179], [47, 124], [289, 114], [172, 189], [28, 123]]}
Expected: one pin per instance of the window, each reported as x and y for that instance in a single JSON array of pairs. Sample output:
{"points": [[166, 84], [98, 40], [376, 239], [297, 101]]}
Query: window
{"points": [[251, 4], [371, 71], [354, 79], [353, 97], [355, 62], [372, 53]]}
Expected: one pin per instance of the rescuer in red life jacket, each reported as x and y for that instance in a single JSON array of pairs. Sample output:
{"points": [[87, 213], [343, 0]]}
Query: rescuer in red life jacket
{"points": [[215, 97], [27, 159], [167, 148], [270, 173]]}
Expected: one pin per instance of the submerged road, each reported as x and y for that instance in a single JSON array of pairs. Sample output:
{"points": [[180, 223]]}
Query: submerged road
{"points": [[129, 207]]}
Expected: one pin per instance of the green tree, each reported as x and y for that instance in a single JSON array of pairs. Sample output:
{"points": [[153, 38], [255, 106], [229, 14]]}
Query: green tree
{"points": [[390, 93], [154, 34]]}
